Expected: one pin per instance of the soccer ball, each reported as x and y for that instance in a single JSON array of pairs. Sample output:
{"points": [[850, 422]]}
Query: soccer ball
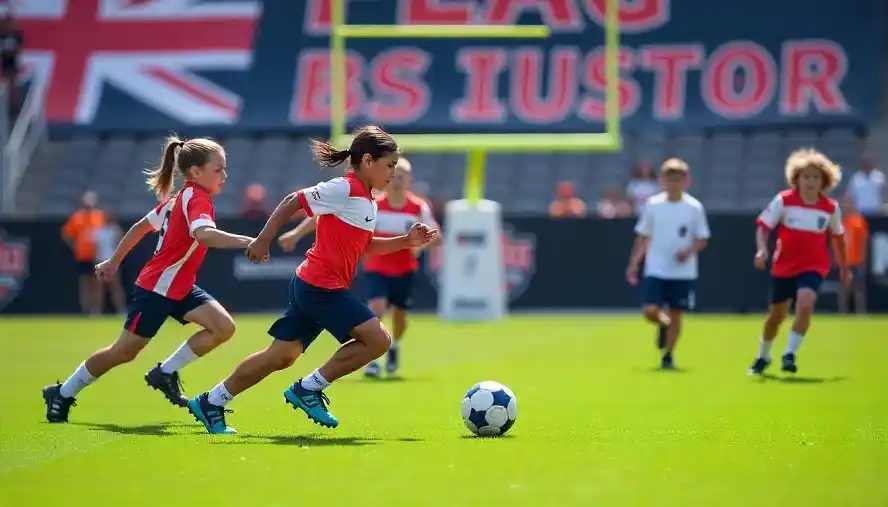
{"points": [[489, 409]]}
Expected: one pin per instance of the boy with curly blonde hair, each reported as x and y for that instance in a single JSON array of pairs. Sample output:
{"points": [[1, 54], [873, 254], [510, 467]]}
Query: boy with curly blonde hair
{"points": [[804, 218]]}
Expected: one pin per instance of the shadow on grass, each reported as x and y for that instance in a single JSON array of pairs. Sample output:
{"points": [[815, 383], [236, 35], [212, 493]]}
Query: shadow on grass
{"points": [[795, 379], [507, 436], [394, 379], [154, 430], [308, 440]]}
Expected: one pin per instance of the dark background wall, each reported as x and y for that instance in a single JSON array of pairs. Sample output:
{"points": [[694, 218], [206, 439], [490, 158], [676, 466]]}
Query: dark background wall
{"points": [[563, 264]]}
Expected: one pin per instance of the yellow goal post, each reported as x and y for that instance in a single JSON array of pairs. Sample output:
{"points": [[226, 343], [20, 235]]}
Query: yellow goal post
{"points": [[479, 144]]}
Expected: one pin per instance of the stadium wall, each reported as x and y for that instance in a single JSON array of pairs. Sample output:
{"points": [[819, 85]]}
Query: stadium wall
{"points": [[563, 265]]}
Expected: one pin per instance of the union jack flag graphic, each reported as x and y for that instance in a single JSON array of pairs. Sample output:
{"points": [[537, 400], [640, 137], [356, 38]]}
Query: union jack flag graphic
{"points": [[149, 49]]}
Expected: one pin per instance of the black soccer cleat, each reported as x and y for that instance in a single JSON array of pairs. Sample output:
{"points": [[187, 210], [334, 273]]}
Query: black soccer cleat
{"points": [[57, 406], [789, 363], [662, 336], [167, 383], [667, 363], [758, 366]]}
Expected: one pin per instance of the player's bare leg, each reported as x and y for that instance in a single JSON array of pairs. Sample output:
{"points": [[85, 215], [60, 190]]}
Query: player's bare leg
{"points": [[371, 340], [399, 327], [805, 300], [378, 306], [60, 398], [655, 315], [218, 328], [777, 313], [208, 407]]}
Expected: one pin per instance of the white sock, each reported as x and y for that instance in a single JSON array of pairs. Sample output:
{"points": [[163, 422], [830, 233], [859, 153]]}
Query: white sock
{"points": [[219, 396], [315, 382], [765, 349], [394, 345], [180, 358], [77, 381], [795, 341]]}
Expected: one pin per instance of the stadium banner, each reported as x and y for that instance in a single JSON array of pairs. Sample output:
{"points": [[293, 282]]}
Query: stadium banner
{"points": [[156, 65], [38, 275]]}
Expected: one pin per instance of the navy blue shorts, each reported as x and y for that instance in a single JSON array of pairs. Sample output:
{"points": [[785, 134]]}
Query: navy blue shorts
{"points": [[676, 294], [86, 268], [148, 310], [312, 309], [397, 290], [785, 289]]}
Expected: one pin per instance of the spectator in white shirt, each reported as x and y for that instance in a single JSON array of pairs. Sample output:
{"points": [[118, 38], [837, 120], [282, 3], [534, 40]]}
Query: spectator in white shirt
{"points": [[642, 185], [867, 188]]}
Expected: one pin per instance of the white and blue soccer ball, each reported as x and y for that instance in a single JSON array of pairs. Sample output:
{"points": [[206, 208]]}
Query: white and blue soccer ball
{"points": [[489, 409]]}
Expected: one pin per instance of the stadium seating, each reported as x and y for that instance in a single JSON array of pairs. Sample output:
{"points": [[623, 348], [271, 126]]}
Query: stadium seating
{"points": [[732, 171]]}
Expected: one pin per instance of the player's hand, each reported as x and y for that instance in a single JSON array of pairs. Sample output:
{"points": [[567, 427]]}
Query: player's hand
{"points": [[632, 274], [257, 251], [846, 276], [106, 270], [761, 260], [288, 243], [683, 255], [421, 234]]}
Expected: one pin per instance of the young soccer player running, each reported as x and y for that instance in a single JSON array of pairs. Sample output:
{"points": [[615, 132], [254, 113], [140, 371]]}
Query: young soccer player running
{"points": [[319, 292], [165, 287], [804, 218], [671, 232], [388, 277]]}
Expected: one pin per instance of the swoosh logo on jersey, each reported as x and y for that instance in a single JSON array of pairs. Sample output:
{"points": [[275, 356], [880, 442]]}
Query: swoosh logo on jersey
{"points": [[368, 219]]}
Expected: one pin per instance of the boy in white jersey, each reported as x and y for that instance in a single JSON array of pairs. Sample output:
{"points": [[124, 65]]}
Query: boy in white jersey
{"points": [[672, 230]]}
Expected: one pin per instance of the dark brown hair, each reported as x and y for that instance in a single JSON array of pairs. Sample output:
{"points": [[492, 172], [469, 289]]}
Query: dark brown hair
{"points": [[181, 155], [368, 140]]}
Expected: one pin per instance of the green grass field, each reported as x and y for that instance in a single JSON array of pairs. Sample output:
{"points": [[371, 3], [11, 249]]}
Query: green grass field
{"points": [[598, 425]]}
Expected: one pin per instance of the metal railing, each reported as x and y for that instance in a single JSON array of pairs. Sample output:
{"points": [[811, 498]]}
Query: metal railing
{"points": [[27, 133]]}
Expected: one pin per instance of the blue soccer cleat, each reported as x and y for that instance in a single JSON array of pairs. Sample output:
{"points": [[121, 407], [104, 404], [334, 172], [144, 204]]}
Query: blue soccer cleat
{"points": [[212, 416], [667, 362], [313, 403], [372, 370], [758, 366], [789, 363]]}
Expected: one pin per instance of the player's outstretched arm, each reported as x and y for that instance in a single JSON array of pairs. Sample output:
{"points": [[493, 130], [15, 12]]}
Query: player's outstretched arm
{"points": [[130, 240], [108, 268], [257, 251], [289, 239], [214, 238], [639, 247], [418, 236]]}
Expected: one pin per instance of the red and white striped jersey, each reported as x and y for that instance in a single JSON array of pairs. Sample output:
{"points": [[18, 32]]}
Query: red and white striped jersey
{"points": [[396, 221], [346, 215], [172, 270], [803, 232]]}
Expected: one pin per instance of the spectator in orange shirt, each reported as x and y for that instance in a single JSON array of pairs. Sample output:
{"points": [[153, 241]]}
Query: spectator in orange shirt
{"points": [[79, 233], [856, 244], [566, 203]]}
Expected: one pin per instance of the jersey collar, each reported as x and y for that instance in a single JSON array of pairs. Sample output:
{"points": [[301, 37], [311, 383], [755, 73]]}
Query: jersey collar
{"points": [[357, 183]]}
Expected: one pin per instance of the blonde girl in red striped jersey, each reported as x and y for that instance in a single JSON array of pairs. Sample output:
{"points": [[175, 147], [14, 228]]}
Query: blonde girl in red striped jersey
{"points": [[185, 223]]}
